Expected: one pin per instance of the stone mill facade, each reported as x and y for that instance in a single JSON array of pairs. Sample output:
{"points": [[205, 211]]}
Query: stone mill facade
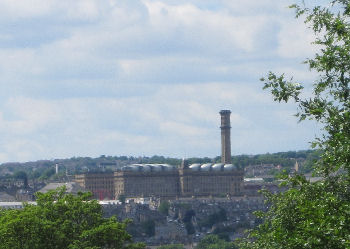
{"points": [[170, 182]]}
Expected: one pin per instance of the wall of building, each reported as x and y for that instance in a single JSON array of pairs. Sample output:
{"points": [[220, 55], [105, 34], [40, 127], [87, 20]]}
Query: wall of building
{"points": [[101, 185], [168, 184], [211, 183], [143, 184], [166, 181]]}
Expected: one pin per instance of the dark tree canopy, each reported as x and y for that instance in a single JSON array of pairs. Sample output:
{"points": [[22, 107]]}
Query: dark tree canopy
{"points": [[22, 176], [214, 242], [60, 221], [172, 246], [164, 207]]}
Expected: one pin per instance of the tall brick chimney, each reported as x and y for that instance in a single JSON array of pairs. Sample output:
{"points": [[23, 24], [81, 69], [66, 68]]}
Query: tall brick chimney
{"points": [[225, 136]]}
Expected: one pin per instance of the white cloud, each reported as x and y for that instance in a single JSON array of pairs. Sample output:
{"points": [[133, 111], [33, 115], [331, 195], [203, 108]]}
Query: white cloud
{"points": [[57, 10], [143, 77], [177, 128], [174, 120], [16, 62], [295, 40], [82, 9], [25, 9], [205, 27]]}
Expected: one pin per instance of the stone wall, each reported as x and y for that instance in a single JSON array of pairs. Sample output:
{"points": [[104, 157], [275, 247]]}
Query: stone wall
{"points": [[211, 183], [101, 185], [164, 184], [143, 184]]}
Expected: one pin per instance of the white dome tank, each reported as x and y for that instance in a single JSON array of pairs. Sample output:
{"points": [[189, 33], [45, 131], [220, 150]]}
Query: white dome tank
{"points": [[165, 165], [229, 167], [135, 168], [195, 166], [206, 167], [168, 167], [126, 168], [156, 168], [146, 168], [217, 167]]}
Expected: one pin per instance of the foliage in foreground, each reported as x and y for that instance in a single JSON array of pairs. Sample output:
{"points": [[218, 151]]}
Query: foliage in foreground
{"points": [[316, 215], [312, 215], [172, 246], [214, 242], [208, 242], [62, 220]]}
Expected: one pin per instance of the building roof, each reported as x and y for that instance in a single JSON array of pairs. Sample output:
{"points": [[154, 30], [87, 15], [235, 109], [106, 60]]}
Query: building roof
{"points": [[6, 197], [71, 187], [148, 167], [211, 167]]}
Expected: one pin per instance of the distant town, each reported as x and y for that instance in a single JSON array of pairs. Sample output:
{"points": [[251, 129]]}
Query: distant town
{"points": [[155, 220], [168, 199]]}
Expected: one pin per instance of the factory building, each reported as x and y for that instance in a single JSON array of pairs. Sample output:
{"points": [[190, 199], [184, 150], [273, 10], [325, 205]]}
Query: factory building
{"points": [[169, 182]]}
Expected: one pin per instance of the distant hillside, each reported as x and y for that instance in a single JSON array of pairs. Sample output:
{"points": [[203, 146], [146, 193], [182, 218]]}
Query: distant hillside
{"points": [[305, 158], [45, 169]]}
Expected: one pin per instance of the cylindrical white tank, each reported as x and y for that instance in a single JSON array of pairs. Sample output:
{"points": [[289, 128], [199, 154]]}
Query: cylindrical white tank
{"points": [[146, 168], [206, 167], [229, 167], [195, 166], [135, 168], [217, 167], [156, 168], [126, 168]]}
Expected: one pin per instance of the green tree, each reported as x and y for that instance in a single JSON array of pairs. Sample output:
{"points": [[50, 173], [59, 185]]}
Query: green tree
{"points": [[23, 176], [164, 207], [122, 198], [316, 215], [62, 220], [172, 246], [47, 173], [214, 242], [214, 218], [148, 227], [187, 219], [189, 228]]}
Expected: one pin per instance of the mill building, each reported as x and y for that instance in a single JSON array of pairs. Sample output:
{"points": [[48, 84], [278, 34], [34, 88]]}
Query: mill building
{"points": [[170, 182]]}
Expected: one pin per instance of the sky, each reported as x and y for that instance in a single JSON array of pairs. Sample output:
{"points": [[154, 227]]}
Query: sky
{"points": [[148, 77]]}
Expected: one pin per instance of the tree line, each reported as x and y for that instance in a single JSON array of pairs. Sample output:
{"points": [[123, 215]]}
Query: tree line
{"points": [[45, 169]]}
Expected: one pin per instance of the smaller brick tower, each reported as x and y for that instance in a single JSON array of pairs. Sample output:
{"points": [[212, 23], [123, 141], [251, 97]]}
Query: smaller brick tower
{"points": [[225, 136]]}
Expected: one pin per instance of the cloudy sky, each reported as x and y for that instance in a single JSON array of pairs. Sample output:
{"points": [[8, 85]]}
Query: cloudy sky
{"points": [[128, 77]]}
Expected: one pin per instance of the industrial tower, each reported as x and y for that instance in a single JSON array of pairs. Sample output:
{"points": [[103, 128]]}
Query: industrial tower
{"points": [[225, 136]]}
